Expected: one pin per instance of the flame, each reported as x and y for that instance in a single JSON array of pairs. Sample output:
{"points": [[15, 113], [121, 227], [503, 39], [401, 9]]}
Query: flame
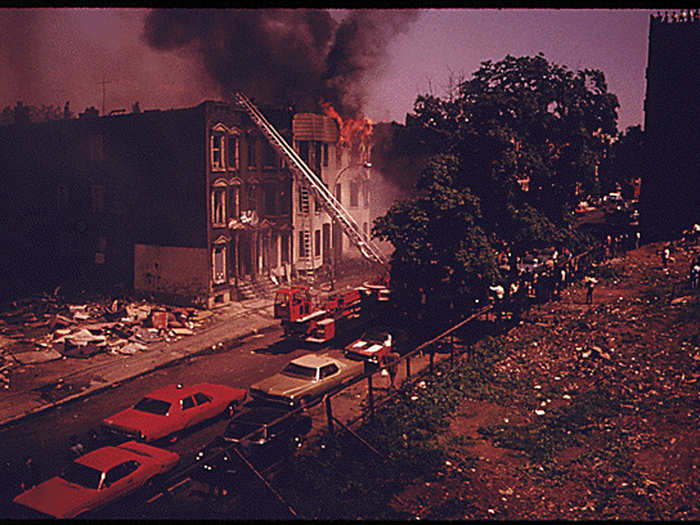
{"points": [[355, 133]]}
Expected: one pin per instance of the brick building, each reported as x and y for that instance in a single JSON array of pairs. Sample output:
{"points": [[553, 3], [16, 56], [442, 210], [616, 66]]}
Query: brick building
{"points": [[192, 205], [669, 197]]}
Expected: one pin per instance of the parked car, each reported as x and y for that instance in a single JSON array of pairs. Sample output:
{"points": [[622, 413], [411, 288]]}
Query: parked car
{"points": [[263, 440], [373, 346], [306, 378], [173, 408], [97, 478]]}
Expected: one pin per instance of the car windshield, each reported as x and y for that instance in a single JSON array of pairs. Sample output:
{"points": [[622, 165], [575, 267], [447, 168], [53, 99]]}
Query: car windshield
{"points": [[152, 406], [295, 370], [82, 475]]}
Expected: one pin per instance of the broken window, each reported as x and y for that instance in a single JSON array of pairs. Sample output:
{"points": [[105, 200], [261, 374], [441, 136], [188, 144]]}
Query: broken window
{"points": [[97, 198], [219, 257], [235, 201], [252, 145], [217, 151], [218, 206], [233, 152], [354, 194], [317, 242]]}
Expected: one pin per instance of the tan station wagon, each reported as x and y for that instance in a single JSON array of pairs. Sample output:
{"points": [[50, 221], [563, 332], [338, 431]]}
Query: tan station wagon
{"points": [[305, 379]]}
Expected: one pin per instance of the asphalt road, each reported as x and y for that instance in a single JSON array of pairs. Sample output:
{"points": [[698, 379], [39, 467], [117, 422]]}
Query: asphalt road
{"points": [[46, 436]]}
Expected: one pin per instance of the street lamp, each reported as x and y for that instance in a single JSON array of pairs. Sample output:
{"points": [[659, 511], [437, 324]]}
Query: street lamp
{"points": [[338, 176]]}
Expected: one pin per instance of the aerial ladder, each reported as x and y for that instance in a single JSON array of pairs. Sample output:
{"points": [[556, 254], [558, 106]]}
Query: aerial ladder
{"points": [[326, 199]]}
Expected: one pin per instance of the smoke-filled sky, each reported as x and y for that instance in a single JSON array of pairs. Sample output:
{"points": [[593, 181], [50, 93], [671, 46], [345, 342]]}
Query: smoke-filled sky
{"points": [[369, 61]]}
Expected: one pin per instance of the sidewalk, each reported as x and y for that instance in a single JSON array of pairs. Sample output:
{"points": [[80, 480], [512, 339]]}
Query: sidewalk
{"points": [[35, 387]]}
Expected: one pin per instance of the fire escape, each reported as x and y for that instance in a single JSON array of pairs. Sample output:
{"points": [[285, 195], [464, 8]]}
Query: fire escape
{"points": [[311, 184]]}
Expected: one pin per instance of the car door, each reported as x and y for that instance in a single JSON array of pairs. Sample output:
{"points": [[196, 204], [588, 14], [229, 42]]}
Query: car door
{"points": [[188, 413], [205, 407], [120, 480]]}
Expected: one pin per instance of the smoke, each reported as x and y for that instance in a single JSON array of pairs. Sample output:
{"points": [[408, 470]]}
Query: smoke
{"points": [[282, 56]]}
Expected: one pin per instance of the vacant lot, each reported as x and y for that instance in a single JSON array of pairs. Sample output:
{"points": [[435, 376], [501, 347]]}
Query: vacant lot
{"points": [[592, 410]]}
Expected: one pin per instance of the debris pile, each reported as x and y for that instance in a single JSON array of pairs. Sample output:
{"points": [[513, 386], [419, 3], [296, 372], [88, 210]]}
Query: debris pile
{"points": [[44, 328]]}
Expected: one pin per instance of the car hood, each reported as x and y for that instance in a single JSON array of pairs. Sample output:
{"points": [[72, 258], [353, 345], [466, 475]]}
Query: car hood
{"points": [[153, 426], [58, 498], [282, 385]]}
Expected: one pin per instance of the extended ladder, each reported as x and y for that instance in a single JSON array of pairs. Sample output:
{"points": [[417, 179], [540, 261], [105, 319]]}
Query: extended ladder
{"points": [[328, 202]]}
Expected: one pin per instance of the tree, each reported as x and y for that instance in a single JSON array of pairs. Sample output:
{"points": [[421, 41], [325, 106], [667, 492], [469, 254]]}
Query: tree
{"points": [[520, 118], [626, 162]]}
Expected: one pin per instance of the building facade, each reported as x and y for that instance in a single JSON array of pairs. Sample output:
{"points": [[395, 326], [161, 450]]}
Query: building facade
{"points": [[190, 205], [669, 198]]}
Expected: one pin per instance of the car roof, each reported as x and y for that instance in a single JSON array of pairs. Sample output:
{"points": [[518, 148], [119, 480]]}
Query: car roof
{"points": [[312, 360], [172, 393], [105, 458]]}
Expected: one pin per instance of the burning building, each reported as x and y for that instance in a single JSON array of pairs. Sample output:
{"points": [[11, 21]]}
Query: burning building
{"points": [[191, 205]]}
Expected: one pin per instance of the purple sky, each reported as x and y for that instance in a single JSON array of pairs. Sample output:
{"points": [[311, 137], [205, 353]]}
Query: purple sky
{"points": [[49, 56]]}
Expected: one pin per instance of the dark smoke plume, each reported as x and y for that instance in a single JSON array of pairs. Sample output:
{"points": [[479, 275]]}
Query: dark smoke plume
{"points": [[281, 56]]}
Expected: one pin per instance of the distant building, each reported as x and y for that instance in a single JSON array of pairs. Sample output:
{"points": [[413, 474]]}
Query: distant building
{"points": [[191, 205], [670, 194]]}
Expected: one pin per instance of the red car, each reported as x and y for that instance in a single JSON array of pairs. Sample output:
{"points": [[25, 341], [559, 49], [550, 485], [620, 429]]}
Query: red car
{"points": [[373, 346], [173, 408], [96, 478]]}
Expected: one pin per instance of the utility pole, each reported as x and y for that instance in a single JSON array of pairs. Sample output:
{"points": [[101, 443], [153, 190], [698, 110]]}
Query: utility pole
{"points": [[104, 83]]}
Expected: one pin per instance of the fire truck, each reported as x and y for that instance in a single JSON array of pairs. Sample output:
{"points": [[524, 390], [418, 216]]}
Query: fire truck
{"points": [[320, 323]]}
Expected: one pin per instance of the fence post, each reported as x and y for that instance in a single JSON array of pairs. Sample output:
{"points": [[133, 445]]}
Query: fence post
{"points": [[329, 415]]}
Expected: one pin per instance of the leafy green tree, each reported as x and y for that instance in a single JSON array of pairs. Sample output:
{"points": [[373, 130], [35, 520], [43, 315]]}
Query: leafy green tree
{"points": [[626, 161]]}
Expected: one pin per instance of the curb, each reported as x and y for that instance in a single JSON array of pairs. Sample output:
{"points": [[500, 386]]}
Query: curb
{"points": [[94, 390]]}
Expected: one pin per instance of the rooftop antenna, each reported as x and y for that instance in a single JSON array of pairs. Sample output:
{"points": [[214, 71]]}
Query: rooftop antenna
{"points": [[104, 83]]}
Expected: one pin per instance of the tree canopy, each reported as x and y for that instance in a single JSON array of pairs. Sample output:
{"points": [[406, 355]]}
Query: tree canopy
{"points": [[518, 123]]}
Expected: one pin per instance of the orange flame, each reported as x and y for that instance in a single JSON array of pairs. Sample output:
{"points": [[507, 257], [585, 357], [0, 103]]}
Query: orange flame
{"points": [[354, 133]]}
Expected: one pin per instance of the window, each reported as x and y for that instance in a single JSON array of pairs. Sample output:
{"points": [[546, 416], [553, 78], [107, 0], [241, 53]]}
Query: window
{"points": [[270, 155], [338, 192], [120, 471], [217, 151], [325, 154], [219, 257], [273, 251], [201, 398], [270, 199], [328, 370], [317, 242], [252, 145], [303, 241], [186, 403], [218, 207], [304, 150], [97, 198], [303, 199], [233, 152], [235, 201], [354, 194], [252, 197], [285, 248]]}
